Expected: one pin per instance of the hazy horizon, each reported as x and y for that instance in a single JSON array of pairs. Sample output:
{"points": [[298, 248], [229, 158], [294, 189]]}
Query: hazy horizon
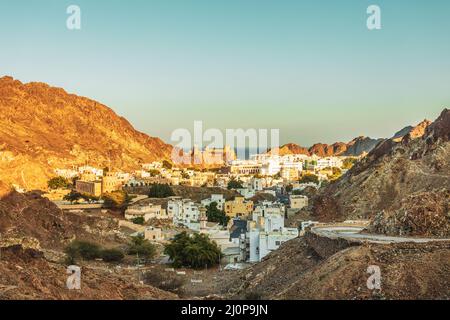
{"points": [[311, 69]]}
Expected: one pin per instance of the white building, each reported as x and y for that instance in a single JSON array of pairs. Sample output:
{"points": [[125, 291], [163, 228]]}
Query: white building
{"points": [[246, 193], [329, 162], [217, 198], [184, 212], [266, 233], [66, 173], [271, 166], [257, 184]]}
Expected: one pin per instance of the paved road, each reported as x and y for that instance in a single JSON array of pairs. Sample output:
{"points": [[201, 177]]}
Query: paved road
{"points": [[353, 233]]}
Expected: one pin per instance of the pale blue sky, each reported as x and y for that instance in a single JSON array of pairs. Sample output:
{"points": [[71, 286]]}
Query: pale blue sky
{"points": [[310, 68]]}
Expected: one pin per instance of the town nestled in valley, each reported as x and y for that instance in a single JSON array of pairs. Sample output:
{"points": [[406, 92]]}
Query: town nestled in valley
{"points": [[81, 190]]}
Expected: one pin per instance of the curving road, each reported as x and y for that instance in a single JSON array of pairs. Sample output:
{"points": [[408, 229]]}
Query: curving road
{"points": [[353, 233]]}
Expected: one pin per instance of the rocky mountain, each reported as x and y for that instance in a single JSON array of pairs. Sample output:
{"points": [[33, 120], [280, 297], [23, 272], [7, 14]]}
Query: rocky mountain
{"points": [[290, 148], [401, 184], [356, 147], [360, 145], [43, 128], [414, 131], [325, 150]]}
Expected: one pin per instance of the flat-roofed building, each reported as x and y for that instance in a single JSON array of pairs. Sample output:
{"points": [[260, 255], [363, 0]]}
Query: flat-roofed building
{"points": [[238, 207], [93, 188]]}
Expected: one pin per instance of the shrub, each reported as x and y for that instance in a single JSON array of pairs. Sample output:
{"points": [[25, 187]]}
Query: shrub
{"points": [[73, 196], [58, 183], [116, 199], [168, 282], [138, 220], [253, 295], [112, 255], [307, 178], [160, 191], [142, 247], [82, 249], [234, 184]]}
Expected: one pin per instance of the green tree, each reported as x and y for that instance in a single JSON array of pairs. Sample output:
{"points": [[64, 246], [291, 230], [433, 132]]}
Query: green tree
{"points": [[58, 183], [215, 215], [234, 184], [160, 191], [289, 188], [82, 249], [194, 251], [116, 199], [73, 196], [307, 178], [142, 247], [112, 255], [138, 220]]}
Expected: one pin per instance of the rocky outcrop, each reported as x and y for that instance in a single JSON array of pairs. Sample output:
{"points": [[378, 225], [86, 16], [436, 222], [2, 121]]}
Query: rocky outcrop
{"points": [[43, 128], [30, 219], [422, 214], [393, 176]]}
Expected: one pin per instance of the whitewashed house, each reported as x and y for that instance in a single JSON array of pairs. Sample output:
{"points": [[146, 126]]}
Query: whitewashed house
{"points": [[184, 212], [217, 198]]}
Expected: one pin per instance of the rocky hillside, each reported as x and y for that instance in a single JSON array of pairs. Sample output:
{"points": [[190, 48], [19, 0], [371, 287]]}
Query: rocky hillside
{"points": [[409, 177], [42, 128], [356, 147], [33, 234], [296, 271], [38, 222]]}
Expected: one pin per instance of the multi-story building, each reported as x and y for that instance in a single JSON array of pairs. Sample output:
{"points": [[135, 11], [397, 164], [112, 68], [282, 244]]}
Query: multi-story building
{"points": [[238, 207], [93, 188], [245, 167], [184, 212], [265, 234], [111, 182], [150, 211], [217, 198]]}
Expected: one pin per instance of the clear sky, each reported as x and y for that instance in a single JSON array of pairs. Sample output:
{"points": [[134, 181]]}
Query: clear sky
{"points": [[310, 68]]}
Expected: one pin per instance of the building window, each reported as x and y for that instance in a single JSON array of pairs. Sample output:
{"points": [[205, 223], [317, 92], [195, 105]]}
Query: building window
{"points": [[277, 243]]}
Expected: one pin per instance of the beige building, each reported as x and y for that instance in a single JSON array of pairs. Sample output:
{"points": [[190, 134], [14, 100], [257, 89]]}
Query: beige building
{"points": [[110, 183], [153, 234], [150, 211], [238, 207], [93, 188], [298, 201], [90, 184]]}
